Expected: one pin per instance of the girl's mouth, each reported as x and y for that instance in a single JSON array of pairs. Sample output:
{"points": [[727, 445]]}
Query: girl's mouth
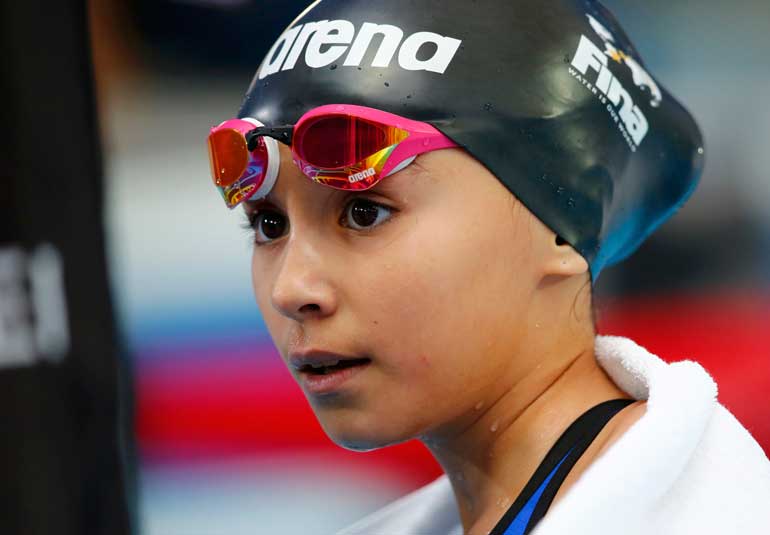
{"points": [[325, 378], [332, 367]]}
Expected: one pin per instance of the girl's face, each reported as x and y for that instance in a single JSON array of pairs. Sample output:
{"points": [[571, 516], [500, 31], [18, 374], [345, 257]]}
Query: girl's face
{"points": [[429, 275]]}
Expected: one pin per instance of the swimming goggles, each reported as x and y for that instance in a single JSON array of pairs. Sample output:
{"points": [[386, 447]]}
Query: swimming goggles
{"points": [[343, 146]]}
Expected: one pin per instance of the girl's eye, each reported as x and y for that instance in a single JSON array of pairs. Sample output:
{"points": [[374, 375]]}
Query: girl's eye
{"points": [[268, 226], [361, 214]]}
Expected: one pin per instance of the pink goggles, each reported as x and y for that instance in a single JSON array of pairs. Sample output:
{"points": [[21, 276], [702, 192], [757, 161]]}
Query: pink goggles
{"points": [[342, 146]]}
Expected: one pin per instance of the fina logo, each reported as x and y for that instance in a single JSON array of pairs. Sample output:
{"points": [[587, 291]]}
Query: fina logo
{"points": [[631, 121], [339, 36]]}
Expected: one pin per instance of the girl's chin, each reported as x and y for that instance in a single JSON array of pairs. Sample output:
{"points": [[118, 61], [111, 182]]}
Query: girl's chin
{"points": [[359, 427], [363, 442]]}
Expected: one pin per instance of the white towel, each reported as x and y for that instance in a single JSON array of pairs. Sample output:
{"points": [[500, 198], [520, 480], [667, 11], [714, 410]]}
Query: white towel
{"points": [[687, 466]]}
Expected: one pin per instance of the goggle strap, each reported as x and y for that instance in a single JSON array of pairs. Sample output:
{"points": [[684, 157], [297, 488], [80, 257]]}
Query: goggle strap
{"points": [[280, 133]]}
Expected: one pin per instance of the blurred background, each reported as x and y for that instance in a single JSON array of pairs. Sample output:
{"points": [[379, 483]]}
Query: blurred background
{"points": [[226, 441]]}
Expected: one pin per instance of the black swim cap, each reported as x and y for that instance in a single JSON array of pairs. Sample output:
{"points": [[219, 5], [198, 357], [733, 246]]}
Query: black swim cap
{"points": [[550, 95]]}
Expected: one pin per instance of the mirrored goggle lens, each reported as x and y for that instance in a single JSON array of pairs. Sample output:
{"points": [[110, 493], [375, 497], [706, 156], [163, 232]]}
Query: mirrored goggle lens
{"points": [[228, 155], [251, 179], [337, 141]]}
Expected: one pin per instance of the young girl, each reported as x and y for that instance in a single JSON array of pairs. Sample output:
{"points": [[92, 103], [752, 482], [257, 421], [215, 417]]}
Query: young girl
{"points": [[434, 188]]}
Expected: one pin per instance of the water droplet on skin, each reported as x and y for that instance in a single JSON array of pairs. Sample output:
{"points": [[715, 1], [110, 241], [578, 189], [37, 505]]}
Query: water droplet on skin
{"points": [[494, 427], [387, 84], [334, 66], [479, 405]]}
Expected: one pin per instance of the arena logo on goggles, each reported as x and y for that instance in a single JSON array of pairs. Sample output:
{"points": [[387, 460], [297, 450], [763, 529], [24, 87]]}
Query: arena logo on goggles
{"points": [[357, 177], [630, 119], [336, 37]]}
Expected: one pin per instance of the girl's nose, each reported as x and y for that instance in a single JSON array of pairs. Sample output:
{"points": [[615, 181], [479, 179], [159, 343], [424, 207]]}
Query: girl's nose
{"points": [[301, 290]]}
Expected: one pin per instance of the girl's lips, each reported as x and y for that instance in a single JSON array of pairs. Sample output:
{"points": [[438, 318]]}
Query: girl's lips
{"points": [[330, 381], [299, 359]]}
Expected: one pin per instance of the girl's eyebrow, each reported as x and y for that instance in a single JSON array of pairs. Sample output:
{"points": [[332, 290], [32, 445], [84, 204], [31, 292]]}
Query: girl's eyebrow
{"points": [[269, 199]]}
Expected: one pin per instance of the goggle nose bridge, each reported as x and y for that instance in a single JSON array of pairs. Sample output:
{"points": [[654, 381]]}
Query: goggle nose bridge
{"points": [[283, 134]]}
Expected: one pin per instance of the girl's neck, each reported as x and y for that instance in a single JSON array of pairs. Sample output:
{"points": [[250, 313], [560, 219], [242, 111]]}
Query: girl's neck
{"points": [[490, 453]]}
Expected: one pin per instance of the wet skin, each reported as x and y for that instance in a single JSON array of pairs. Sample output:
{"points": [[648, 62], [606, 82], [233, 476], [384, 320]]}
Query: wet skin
{"points": [[477, 322]]}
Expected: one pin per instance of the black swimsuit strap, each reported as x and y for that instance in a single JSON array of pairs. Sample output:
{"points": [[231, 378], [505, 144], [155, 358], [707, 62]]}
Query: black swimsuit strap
{"points": [[542, 487]]}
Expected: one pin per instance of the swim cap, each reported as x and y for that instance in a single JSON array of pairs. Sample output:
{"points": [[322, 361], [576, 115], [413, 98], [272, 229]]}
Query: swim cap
{"points": [[551, 96]]}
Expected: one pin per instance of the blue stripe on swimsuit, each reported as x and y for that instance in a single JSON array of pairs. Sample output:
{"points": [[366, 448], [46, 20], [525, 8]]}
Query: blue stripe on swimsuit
{"points": [[536, 497], [519, 524]]}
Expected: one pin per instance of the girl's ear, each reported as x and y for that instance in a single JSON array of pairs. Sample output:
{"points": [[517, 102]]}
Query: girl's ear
{"points": [[563, 259]]}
